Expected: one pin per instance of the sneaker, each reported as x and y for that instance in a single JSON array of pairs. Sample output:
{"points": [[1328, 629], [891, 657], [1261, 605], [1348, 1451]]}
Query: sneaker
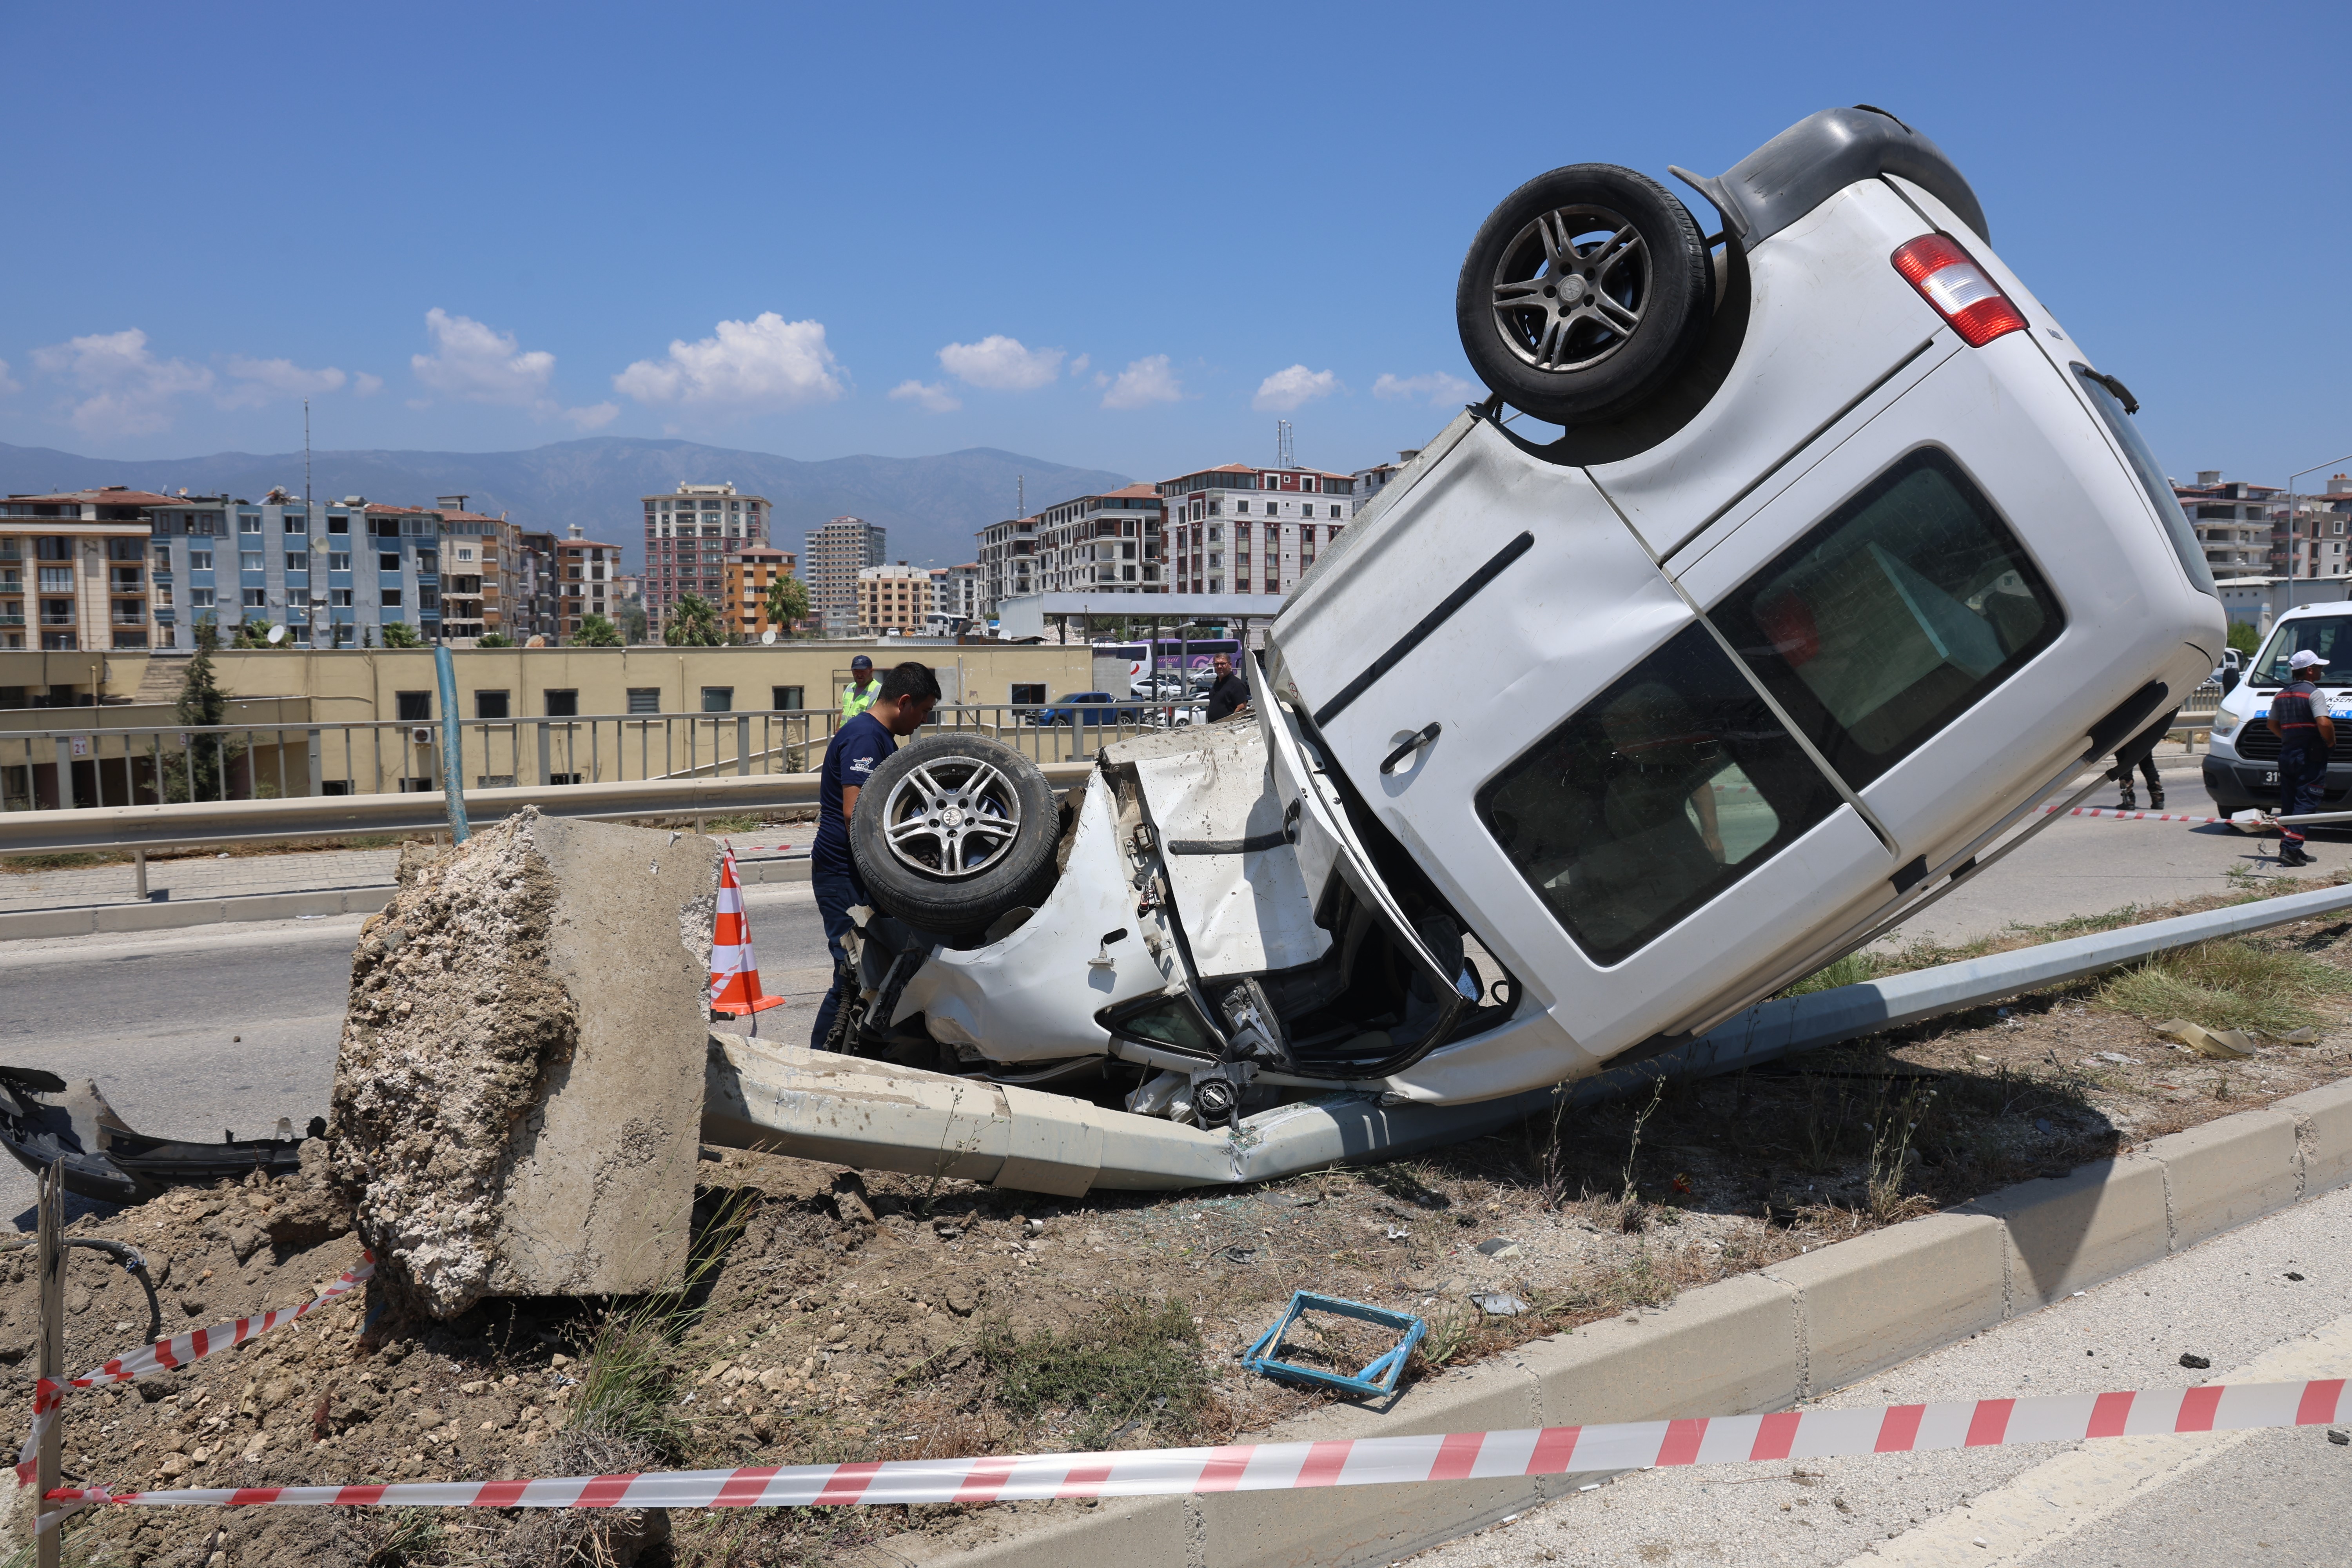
{"points": [[2128, 803], [2293, 855]]}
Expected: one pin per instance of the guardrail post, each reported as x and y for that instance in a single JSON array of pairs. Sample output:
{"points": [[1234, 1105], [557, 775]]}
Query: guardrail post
{"points": [[545, 767], [65, 773], [453, 748], [318, 765], [742, 745]]}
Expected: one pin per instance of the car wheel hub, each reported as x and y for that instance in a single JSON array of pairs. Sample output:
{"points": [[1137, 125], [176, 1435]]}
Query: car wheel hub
{"points": [[1570, 288], [952, 816]]}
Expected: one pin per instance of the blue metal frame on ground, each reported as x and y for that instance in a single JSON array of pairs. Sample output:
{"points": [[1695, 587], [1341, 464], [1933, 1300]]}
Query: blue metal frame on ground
{"points": [[1377, 1380]]}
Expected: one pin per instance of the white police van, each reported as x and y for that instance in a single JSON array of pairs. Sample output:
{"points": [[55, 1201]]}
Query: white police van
{"points": [[2242, 764], [1837, 560]]}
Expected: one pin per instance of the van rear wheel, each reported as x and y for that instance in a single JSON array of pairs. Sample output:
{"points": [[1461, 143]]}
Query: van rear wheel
{"points": [[1584, 293], [952, 831]]}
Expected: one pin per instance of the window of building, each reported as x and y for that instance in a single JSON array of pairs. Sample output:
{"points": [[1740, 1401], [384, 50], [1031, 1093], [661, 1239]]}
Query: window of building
{"points": [[250, 561], [1027, 693], [248, 522], [387, 561], [200, 598], [489, 705], [413, 706], [1893, 616], [298, 598], [562, 704], [200, 559], [126, 550], [56, 579], [339, 524], [389, 598], [295, 523], [788, 699], [645, 700], [339, 597], [298, 561], [338, 561]]}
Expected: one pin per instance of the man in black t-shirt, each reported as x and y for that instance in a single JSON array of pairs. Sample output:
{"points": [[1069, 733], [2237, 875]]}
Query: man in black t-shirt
{"points": [[1229, 692], [2299, 716], [908, 693]]}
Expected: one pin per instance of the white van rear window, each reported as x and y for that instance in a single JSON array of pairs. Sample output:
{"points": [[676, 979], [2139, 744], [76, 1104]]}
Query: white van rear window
{"points": [[1893, 616]]}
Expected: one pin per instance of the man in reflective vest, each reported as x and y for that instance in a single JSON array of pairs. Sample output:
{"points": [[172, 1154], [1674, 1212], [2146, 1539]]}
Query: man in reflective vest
{"points": [[863, 689], [2299, 716]]}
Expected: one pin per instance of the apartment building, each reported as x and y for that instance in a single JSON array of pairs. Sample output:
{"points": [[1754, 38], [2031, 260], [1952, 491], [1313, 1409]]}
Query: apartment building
{"points": [[2234, 525], [535, 599], [482, 575], [1234, 529], [749, 572], [1107, 543], [1008, 559], [836, 555], [74, 573], [1370, 482], [332, 574], [586, 583], [957, 591], [893, 599], [689, 533]]}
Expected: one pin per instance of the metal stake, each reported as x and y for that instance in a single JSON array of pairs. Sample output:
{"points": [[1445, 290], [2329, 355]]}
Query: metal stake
{"points": [[53, 1350], [452, 751]]}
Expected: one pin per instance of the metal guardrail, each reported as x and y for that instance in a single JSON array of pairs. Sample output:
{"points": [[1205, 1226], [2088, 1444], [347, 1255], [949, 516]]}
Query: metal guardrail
{"points": [[93, 766], [193, 825]]}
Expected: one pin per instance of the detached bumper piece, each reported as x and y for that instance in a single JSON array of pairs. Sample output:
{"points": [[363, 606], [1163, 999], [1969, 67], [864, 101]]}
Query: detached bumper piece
{"points": [[1377, 1381], [42, 1119]]}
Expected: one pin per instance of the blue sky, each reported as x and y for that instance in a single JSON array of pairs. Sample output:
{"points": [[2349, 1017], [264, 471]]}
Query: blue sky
{"points": [[1129, 237]]}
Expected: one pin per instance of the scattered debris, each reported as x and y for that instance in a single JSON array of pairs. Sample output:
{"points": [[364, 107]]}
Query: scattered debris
{"points": [[1379, 1377], [2294, 1276], [2196, 1362], [1498, 1248], [1498, 1303], [2338, 1438], [2221, 1045]]}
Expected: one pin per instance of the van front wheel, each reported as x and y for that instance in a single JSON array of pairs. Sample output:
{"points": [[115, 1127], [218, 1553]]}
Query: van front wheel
{"points": [[952, 831], [1584, 293]]}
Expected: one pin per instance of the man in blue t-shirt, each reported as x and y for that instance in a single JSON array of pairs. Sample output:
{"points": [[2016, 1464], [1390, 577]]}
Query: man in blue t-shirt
{"points": [[908, 693]]}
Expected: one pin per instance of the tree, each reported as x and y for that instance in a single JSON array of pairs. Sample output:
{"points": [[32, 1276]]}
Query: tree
{"points": [[202, 702], [695, 624], [252, 634], [788, 603], [493, 640], [2243, 637], [633, 621], [367, 637], [399, 634], [595, 631]]}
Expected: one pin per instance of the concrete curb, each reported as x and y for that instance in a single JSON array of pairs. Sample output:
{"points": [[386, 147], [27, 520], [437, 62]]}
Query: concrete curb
{"points": [[16, 925], [1759, 1341]]}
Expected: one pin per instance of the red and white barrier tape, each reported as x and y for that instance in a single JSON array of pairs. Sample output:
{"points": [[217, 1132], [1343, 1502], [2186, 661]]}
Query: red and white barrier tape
{"points": [[2141, 815], [1368, 1461], [169, 1354]]}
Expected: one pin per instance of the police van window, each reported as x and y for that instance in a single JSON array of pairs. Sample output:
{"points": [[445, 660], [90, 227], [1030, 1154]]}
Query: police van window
{"points": [[2329, 637], [1657, 795], [1893, 616]]}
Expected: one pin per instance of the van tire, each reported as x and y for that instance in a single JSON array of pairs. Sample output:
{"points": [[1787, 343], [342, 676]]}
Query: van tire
{"points": [[1615, 333], [947, 904]]}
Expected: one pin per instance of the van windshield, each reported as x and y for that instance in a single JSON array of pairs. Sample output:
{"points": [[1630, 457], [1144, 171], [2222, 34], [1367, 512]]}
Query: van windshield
{"points": [[2329, 637]]}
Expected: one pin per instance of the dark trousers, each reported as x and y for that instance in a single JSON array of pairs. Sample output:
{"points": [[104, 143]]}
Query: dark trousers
{"points": [[835, 893], [2123, 773], [2302, 770]]}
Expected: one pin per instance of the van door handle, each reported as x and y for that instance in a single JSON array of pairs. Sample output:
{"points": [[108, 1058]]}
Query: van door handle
{"points": [[1429, 733]]}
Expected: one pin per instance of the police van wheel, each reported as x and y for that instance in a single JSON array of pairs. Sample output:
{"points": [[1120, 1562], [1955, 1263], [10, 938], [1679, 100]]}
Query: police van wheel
{"points": [[1584, 293], [952, 831]]}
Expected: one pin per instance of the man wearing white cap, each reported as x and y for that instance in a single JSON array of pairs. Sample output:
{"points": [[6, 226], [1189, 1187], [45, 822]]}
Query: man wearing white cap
{"points": [[2299, 716]]}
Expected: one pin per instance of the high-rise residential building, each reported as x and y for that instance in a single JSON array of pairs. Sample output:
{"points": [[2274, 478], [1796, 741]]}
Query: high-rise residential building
{"points": [[893, 599], [1238, 530], [689, 533], [536, 598], [2233, 526], [1106, 543], [1008, 559], [75, 575], [588, 583], [837, 553], [393, 572], [482, 575], [750, 571], [958, 590]]}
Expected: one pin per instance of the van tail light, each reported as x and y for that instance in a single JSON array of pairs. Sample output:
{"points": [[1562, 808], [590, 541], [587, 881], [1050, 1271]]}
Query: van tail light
{"points": [[1958, 289]]}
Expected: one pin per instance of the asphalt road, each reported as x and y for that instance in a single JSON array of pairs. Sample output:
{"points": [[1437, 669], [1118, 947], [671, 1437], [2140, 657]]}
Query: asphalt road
{"points": [[214, 1029], [2280, 1497]]}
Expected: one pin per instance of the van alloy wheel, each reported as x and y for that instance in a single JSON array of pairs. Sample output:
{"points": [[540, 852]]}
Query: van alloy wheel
{"points": [[1570, 288], [951, 816]]}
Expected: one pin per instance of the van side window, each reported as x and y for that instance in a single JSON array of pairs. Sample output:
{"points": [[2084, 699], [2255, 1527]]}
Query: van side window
{"points": [[1893, 616], [1655, 797]]}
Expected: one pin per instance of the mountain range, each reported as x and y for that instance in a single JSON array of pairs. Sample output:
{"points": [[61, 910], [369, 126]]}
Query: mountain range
{"points": [[933, 506]]}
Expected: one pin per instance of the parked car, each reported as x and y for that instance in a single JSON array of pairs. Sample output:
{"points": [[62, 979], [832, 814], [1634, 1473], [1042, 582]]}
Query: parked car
{"points": [[1090, 708], [1843, 563], [2242, 762]]}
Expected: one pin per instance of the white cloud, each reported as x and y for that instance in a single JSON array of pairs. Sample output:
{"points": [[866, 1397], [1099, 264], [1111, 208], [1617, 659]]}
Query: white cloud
{"points": [[595, 416], [1437, 386], [766, 361], [1143, 382], [1294, 388], [256, 381], [934, 397], [1002, 364], [366, 385], [1078, 365], [481, 364], [126, 391], [6, 385]]}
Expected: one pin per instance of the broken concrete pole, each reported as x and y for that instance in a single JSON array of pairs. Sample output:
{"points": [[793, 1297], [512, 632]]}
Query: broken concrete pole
{"points": [[520, 1079]]}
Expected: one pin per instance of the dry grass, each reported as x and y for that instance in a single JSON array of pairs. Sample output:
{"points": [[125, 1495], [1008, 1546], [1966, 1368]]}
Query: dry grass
{"points": [[2233, 983]]}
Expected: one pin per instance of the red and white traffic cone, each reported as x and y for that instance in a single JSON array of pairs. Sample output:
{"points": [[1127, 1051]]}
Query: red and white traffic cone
{"points": [[734, 974]]}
